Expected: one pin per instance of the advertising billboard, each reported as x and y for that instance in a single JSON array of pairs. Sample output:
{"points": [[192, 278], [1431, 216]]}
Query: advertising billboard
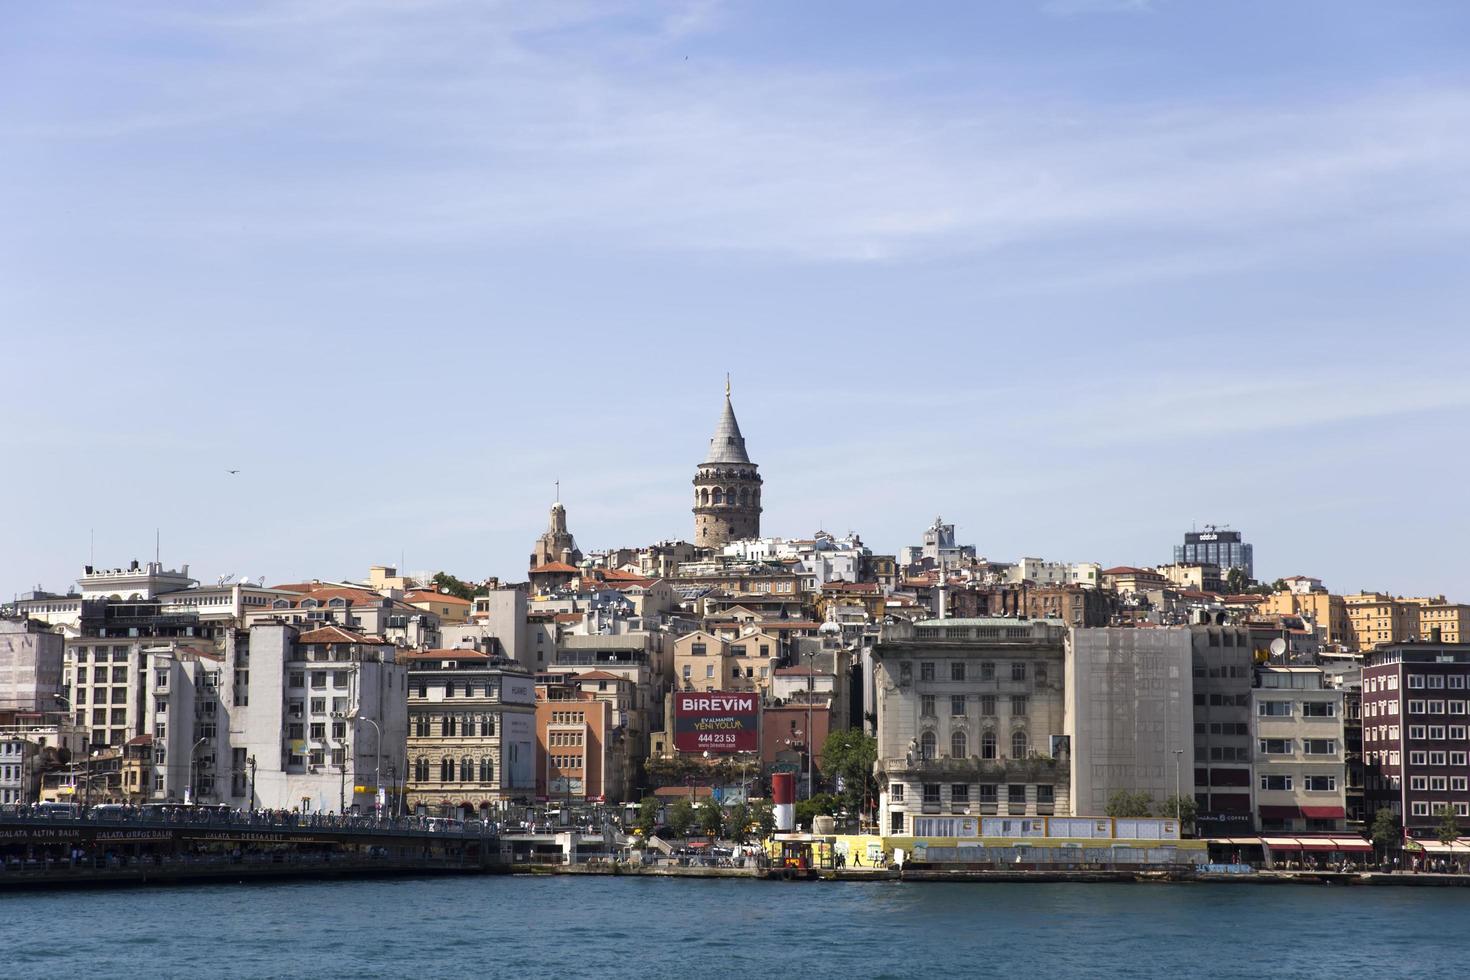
{"points": [[716, 721]]}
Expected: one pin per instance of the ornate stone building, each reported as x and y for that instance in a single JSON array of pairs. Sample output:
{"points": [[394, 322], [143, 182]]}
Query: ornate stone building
{"points": [[727, 488], [557, 544]]}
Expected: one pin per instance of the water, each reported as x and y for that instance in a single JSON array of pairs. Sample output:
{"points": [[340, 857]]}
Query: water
{"points": [[651, 927]]}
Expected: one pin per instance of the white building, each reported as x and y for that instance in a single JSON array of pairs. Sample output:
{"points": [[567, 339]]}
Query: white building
{"points": [[1084, 573], [1130, 714], [134, 583]]}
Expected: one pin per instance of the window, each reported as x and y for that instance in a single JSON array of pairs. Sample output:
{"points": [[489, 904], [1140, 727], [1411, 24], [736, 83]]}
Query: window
{"points": [[420, 770], [446, 770], [1436, 733], [449, 689], [295, 731], [1018, 745], [958, 745], [1273, 709], [987, 745], [987, 705], [1418, 758], [1018, 672], [1018, 705], [1320, 746], [1435, 708], [989, 793], [1436, 681], [466, 770], [987, 672], [319, 679], [1419, 809], [709, 671], [1321, 784], [931, 793], [296, 678], [895, 822], [956, 670], [1416, 707], [1455, 707], [487, 771], [926, 745], [957, 704], [1416, 680], [318, 706], [1436, 758], [1275, 746], [926, 705], [959, 794], [1016, 798], [1319, 709], [926, 670], [1419, 783], [1458, 784], [895, 792], [1275, 782], [1457, 759], [1438, 784], [1416, 731], [1457, 681]]}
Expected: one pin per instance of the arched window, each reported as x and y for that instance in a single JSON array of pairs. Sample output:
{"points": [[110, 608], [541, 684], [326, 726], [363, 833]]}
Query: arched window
{"points": [[449, 725], [704, 496], [958, 745], [487, 726], [466, 770], [744, 496], [449, 689], [926, 745], [719, 495], [421, 769], [987, 745], [487, 771], [1018, 745], [446, 770]]}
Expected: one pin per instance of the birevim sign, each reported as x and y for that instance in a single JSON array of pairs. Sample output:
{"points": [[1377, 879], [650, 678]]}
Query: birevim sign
{"points": [[716, 721]]}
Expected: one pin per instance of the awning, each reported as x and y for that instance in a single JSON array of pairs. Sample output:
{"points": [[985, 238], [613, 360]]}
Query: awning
{"points": [[1282, 843], [1323, 812], [1435, 847], [1317, 843], [1280, 812], [1352, 844]]}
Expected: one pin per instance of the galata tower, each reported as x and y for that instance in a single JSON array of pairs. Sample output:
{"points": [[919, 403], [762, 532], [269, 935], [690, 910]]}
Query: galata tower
{"points": [[727, 488]]}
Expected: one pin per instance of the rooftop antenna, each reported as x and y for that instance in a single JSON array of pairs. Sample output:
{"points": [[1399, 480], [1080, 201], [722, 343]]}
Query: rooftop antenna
{"points": [[558, 491], [92, 551], [727, 384], [157, 539]]}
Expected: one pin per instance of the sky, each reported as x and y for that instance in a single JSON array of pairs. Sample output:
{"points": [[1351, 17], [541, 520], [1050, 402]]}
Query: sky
{"points": [[1075, 274]]}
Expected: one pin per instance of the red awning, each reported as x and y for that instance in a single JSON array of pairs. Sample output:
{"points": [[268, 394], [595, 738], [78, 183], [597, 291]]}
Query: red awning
{"points": [[1323, 812], [1280, 812]]}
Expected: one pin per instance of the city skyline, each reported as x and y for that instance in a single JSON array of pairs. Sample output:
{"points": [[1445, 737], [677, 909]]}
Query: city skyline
{"points": [[1074, 274]]}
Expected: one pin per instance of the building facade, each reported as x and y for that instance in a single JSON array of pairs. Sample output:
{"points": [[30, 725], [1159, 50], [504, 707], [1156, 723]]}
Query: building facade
{"points": [[1416, 733], [1300, 760], [1224, 671], [31, 658], [1216, 546], [471, 732], [1129, 696], [970, 720]]}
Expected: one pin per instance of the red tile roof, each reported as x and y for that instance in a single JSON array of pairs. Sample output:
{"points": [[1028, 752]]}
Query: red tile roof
{"points": [[596, 675], [336, 634], [428, 595], [443, 655], [555, 567]]}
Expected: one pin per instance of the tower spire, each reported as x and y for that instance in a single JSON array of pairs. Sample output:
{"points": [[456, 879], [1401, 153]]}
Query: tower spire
{"points": [[727, 384]]}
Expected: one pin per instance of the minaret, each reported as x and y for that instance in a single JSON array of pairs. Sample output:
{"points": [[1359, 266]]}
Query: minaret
{"points": [[727, 486]]}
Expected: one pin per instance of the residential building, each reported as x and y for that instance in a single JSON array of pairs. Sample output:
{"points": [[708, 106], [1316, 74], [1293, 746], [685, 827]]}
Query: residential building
{"points": [[1128, 578], [184, 714], [702, 662], [938, 549], [471, 732], [1377, 619], [1201, 578], [1300, 760], [1087, 574], [1441, 621], [577, 755], [1416, 733], [1327, 613], [1129, 714], [727, 487], [448, 608], [21, 763], [970, 719], [1217, 546], [318, 719], [1223, 665]]}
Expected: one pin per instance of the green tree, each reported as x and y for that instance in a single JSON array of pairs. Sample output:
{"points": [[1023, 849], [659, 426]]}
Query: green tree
{"points": [[1385, 831], [1236, 581], [681, 817], [453, 586], [647, 816], [823, 804], [739, 823], [764, 815], [849, 756], [1124, 803], [711, 818], [1184, 807], [1449, 828]]}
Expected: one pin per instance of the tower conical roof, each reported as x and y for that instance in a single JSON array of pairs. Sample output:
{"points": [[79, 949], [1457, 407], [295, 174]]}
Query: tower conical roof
{"points": [[727, 445]]}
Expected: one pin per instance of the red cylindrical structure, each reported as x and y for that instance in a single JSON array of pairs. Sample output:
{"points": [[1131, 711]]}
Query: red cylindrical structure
{"points": [[783, 794]]}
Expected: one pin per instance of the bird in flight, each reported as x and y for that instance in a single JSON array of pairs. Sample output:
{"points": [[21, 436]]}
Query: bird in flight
{"points": [[232, 471]]}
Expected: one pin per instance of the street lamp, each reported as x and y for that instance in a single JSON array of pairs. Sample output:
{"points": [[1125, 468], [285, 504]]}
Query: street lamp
{"points": [[251, 762], [1178, 803], [811, 667], [378, 765], [189, 789]]}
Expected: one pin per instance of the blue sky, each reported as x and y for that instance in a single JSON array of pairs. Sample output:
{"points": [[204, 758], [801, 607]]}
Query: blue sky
{"points": [[1072, 273]]}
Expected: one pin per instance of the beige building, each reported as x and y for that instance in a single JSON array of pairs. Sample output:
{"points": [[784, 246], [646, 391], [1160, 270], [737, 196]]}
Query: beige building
{"points": [[450, 609], [1327, 612], [471, 732], [1300, 768], [701, 662], [1376, 619], [1201, 578], [1451, 619], [971, 720]]}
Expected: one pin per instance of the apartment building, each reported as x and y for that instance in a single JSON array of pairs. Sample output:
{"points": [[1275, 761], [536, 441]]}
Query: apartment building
{"points": [[1300, 764], [1377, 619], [1224, 671]]}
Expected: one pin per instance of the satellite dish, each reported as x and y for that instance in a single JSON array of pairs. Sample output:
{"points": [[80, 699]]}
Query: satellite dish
{"points": [[1278, 647]]}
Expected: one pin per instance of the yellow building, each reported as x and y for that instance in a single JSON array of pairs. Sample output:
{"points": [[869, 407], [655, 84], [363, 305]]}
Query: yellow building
{"points": [[1377, 618], [449, 608], [701, 662], [1327, 612], [1452, 619]]}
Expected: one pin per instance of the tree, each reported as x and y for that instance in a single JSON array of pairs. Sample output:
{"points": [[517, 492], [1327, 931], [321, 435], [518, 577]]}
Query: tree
{"points": [[849, 756], [1236, 581], [647, 817], [764, 816], [1448, 830], [449, 584], [1127, 804], [1385, 832], [681, 817], [739, 823], [823, 804], [1184, 807], [711, 818]]}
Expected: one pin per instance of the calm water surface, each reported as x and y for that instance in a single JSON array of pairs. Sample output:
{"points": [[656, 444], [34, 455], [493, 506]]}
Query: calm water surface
{"points": [[560, 927]]}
